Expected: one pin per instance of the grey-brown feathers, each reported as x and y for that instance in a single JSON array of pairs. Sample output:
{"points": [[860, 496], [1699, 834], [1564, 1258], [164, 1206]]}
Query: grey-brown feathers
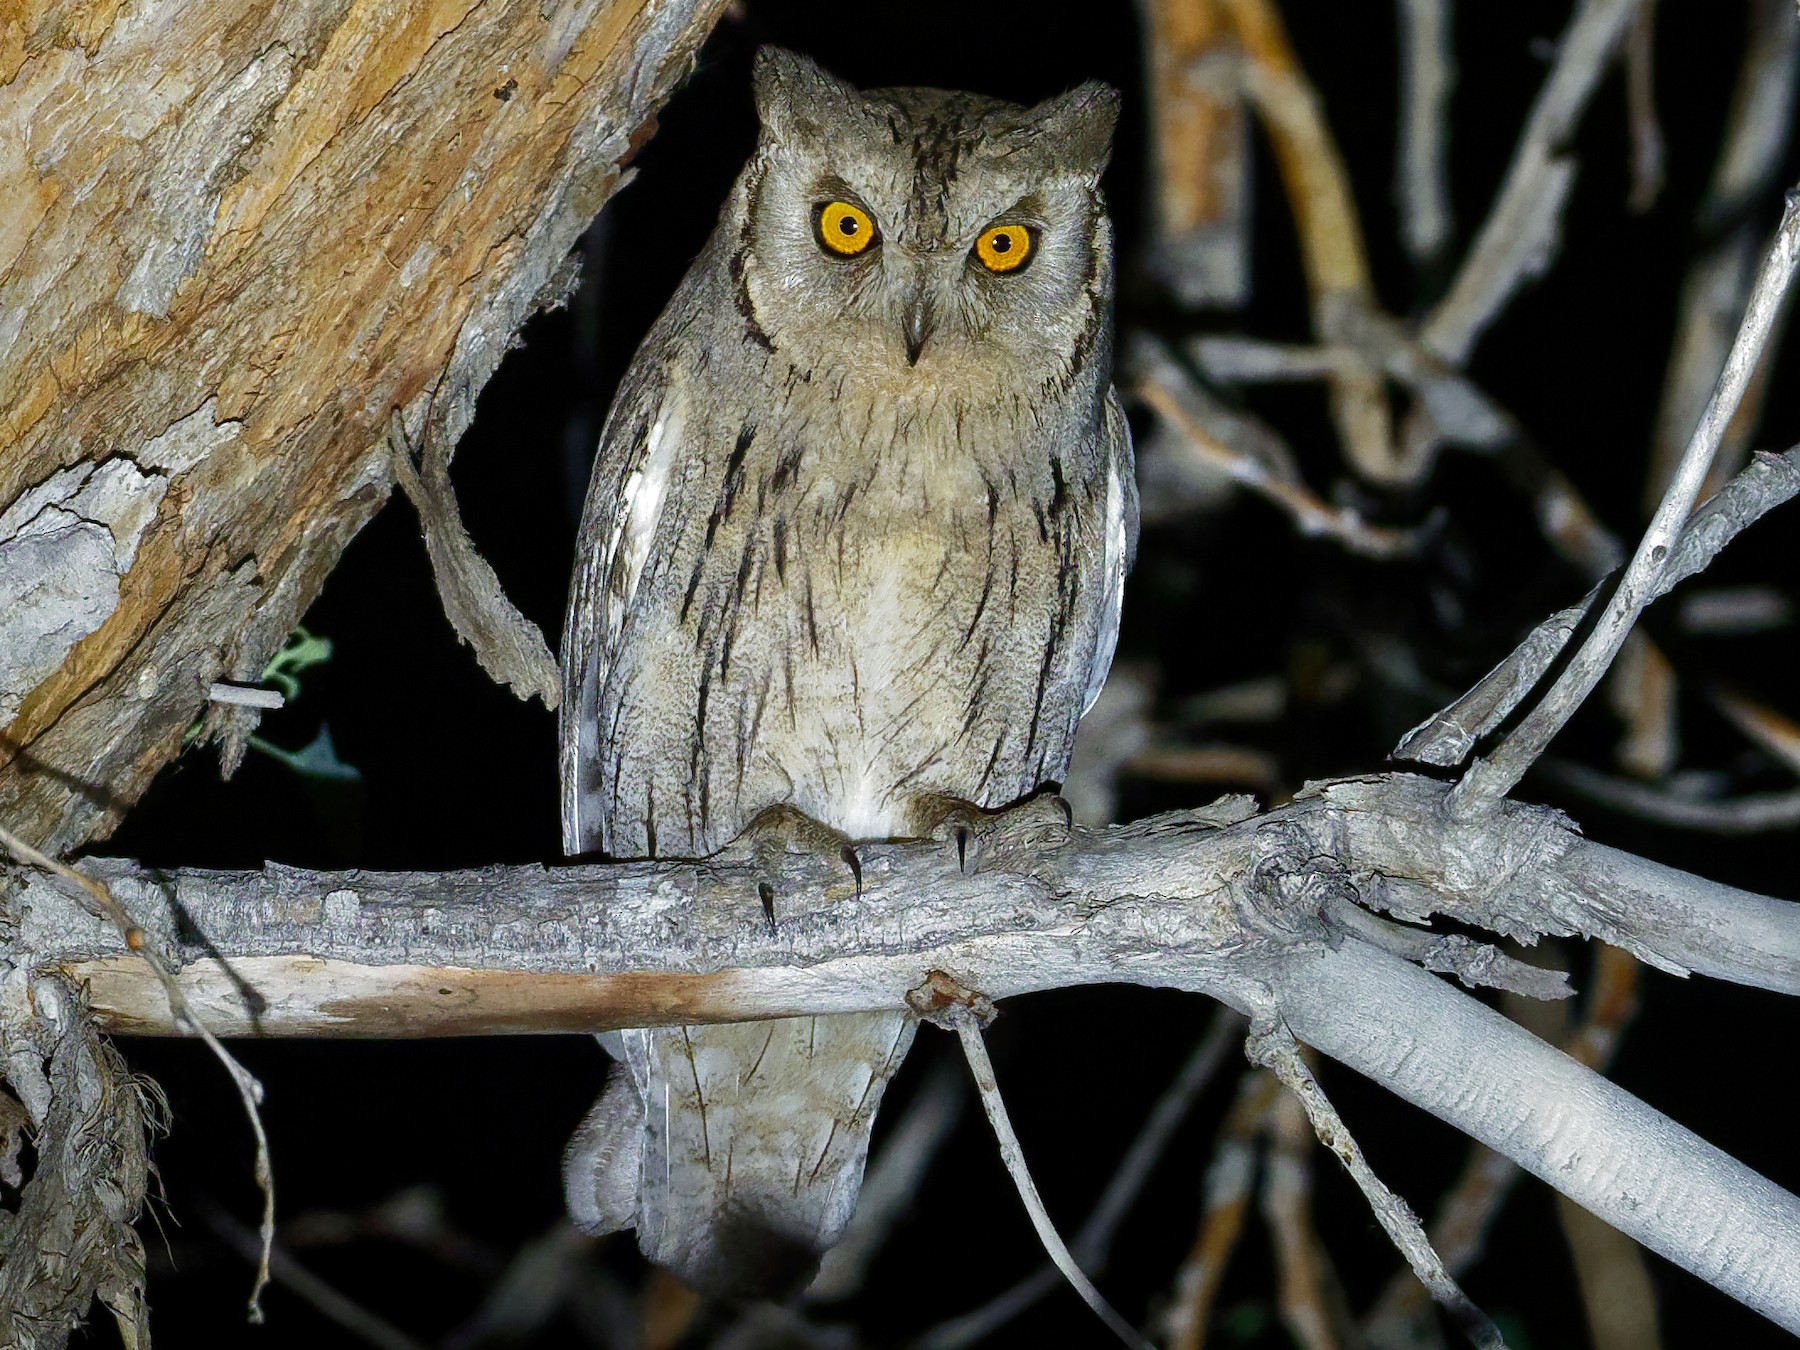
{"points": [[856, 538]]}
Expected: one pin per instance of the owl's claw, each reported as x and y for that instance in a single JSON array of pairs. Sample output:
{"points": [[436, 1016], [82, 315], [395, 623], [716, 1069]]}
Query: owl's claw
{"points": [[777, 832], [1042, 820]]}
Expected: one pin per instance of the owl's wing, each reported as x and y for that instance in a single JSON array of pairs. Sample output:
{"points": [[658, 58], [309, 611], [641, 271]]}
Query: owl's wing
{"points": [[1121, 539], [639, 452]]}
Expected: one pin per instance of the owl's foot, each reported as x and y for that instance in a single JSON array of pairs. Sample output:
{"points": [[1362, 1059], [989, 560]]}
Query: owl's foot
{"points": [[777, 831], [1031, 824]]}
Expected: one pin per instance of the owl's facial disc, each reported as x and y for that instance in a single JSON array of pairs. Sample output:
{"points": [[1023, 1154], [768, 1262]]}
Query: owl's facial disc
{"points": [[922, 239]]}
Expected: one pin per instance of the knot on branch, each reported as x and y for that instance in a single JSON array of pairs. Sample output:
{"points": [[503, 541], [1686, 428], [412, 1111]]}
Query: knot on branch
{"points": [[1294, 884], [944, 1001]]}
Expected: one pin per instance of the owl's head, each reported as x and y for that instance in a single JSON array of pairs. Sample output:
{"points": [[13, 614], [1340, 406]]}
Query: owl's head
{"points": [[899, 230]]}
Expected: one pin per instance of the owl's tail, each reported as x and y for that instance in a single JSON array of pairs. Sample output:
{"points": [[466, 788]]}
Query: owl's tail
{"points": [[736, 1151]]}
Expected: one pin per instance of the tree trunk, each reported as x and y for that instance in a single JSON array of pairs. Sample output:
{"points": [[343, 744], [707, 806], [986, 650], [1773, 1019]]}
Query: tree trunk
{"points": [[239, 241]]}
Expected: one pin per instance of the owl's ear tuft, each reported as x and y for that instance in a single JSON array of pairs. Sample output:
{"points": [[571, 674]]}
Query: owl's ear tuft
{"points": [[795, 94], [1079, 123]]}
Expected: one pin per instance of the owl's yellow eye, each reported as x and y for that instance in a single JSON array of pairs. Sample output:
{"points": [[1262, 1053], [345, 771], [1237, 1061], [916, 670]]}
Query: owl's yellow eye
{"points": [[845, 229], [1003, 248]]}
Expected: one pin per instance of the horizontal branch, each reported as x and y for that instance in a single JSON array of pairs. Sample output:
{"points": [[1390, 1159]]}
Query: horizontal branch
{"points": [[1250, 909], [1200, 900]]}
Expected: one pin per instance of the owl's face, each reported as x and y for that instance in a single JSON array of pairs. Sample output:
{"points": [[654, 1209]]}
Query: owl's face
{"points": [[916, 235]]}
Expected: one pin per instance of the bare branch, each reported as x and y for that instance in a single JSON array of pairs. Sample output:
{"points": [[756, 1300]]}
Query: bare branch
{"points": [[1228, 1181], [1093, 1242], [1487, 781], [1520, 236], [330, 1303], [1199, 130], [1238, 911], [1467, 1211], [1776, 734], [1331, 239], [508, 645], [1447, 736], [1753, 813], [968, 1030], [1306, 1277], [1309, 514], [1761, 120], [1648, 152], [1427, 75], [96, 892], [1272, 1045]]}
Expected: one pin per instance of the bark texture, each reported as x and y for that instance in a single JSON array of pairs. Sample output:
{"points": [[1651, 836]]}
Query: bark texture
{"points": [[241, 242]]}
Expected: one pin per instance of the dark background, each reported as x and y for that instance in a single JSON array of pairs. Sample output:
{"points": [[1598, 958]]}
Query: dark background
{"points": [[454, 772]]}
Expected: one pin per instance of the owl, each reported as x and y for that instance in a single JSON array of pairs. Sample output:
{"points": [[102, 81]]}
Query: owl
{"points": [[853, 549]]}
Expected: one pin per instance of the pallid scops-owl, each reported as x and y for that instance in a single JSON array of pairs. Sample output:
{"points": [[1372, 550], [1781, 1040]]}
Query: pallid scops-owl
{"points": [[854, 544]]}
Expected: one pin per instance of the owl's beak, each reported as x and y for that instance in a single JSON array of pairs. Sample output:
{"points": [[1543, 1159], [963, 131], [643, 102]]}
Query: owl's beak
{"points": [[919, 321]]}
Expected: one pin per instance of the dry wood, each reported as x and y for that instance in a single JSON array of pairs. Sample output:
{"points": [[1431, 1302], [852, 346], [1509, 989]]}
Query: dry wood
{"points": [[237, 238]]}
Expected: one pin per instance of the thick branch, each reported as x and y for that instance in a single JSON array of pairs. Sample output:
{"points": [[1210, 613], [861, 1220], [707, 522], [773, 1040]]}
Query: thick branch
{"points": [[1199, 901], [1238, 908]]}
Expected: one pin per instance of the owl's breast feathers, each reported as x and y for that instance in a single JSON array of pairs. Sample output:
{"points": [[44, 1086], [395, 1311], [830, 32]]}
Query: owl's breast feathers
{"points": [[844, 602]]}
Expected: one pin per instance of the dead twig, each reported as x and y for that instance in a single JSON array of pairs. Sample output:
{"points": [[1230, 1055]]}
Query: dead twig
{"points": [[508, 645], [1312, 516], [1648, 151], [250, 1091], [1093, 1243], [1200, 246], [1324, 208], [1427, 77], [1489, 780], [968, 1030], [1273, 1046], [1754, 813], [1519, 238], [1447, 736], [327, 1301], [1229, 1178], [1303, 1266]]}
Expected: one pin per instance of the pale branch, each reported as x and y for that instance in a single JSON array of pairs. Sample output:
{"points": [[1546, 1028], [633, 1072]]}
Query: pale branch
{"points": [[1195, 900], [1427, 77], [1272, 1046], [1012, 1153], [97, 899], [1752, 813], [508, 646], [1230, 1173], [1447, 737], [1232, 906], [1649, 153], [1093, 1243], [1520, 236], [1573, 1129], [1234, 446], [1490, 779]]}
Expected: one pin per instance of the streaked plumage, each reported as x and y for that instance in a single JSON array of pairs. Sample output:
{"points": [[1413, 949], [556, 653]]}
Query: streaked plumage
{"points": [[856, 538]]}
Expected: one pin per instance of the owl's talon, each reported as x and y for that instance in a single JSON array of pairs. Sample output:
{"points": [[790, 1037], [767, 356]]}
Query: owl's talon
{"points": [[1041, 820], [777, 833]]}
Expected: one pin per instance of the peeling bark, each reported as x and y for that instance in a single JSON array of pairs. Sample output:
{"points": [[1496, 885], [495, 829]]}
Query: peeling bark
{"points": [[236, 239]]}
